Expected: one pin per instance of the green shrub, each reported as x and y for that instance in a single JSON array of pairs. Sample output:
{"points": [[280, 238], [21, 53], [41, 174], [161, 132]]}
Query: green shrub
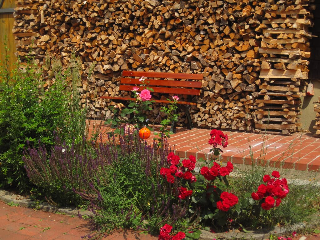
{"points": [[31, 112]]}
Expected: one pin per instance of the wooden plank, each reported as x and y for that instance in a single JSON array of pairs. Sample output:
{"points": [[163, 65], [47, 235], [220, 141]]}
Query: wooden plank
{"points": [[164, 90], [148, 82], [280, 51], [275, 126], [290, 12], [287, 31], [276, 119], [276, 101], [285, 41], [163, 75], [8, 4], [277, 113], [276, 73], [279, 94], [285, 60], [288, 20], [25, 34], [7, 46], [279, 88]]}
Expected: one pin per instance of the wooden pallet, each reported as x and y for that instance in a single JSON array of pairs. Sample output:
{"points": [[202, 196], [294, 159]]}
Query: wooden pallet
{"points": [[284, 69]]}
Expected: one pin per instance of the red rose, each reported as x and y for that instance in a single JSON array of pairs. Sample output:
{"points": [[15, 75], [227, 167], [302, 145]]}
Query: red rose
{"points": [[275, 174], [166, 228], [164, 171], [206, 173], [221, 206], [214, 172], [173, 169], [262, 189], [192, 159], [266, 206], [184, 193], [269, 200], [255, 196], [218, 138], [175, 160], [228, 200], [179, 174], [164, 236], [188, 164], [278, 201], [229, 166], [224, 171], [266, 178], [179, 236], [170, 178], [187, 175]]}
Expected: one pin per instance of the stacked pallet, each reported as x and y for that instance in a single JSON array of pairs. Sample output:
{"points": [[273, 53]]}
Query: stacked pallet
{"points": [[317, 110], [284, 68]]}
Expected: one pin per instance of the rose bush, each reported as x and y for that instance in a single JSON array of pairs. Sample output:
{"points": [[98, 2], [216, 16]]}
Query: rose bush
{"points": [[271, 193]]}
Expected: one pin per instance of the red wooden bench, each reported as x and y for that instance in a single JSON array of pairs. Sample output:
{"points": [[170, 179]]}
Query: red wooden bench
{"points": [[183, 85]]}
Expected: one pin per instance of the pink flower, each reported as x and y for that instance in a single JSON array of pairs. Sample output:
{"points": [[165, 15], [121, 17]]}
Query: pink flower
{"points": [[193, 179], [175, 98], [145, 95], [134, 89]]}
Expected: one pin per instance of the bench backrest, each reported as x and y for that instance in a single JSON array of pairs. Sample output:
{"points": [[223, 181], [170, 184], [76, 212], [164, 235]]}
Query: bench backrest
{"points": [[160, 82]]}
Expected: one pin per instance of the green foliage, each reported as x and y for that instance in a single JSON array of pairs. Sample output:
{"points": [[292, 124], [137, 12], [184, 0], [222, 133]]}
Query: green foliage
{"points": [[170, 112], [130, 193], [31, 112], [135, 113], [296, 207]]}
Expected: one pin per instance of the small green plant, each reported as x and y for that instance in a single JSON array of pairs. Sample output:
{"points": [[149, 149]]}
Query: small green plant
{"points": [[136, 111], [36, 105], [13, 204], [171, 117]]}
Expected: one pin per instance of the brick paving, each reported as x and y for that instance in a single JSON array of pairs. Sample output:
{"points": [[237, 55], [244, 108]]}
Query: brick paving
{"points": [[299, 151], [18, 223]]}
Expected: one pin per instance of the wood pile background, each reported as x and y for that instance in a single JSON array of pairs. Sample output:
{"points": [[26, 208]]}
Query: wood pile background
{"points": [[252, 53], [317, 110]]}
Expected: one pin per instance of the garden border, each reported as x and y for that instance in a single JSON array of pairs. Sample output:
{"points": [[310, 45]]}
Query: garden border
{"points": [[22, 201]]}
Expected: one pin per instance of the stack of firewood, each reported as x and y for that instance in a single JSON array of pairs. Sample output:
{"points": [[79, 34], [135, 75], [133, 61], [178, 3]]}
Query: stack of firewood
{"points": [[223, 40], [317, 110], [284, 68]]}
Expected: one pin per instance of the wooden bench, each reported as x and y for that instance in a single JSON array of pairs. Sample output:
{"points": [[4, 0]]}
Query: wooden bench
{"points": [[180, 84]]}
